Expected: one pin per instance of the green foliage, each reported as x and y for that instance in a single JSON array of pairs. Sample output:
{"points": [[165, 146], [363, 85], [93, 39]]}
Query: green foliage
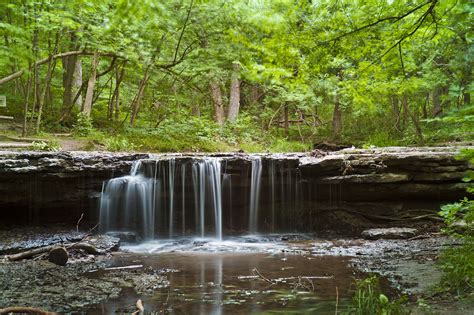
{"points": [[457, 262], [387, 64], [83, 126], [119, 144], [51, 146], [368, 299]]}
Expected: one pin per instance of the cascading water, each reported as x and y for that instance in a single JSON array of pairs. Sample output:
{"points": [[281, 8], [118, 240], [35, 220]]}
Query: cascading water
{"points": [[181, 197], [255, 194], [126, 203], [144, 200]]}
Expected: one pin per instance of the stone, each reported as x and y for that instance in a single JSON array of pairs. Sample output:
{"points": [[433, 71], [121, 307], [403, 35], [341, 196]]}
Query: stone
{"points": [[102, 243], [389, 233], [124, 236], [58, 256]]}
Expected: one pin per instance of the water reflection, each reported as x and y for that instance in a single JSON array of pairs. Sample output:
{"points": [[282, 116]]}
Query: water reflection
{"points": [[223, 283]]}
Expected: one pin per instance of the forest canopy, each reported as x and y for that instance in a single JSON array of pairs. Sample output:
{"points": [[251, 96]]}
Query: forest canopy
{"points": [[257, 75]]}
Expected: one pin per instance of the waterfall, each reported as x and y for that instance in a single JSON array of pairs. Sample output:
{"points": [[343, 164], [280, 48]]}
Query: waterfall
{"points": [[148, 200], [255, 193], [175, 197], [271, 172], [207, 182], [126, 204]]}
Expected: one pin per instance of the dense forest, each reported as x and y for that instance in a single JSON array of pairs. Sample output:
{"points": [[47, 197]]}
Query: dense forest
{"points": [[256, 75]]}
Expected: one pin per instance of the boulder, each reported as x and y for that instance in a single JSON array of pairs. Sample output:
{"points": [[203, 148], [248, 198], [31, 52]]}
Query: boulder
{"points": [[389, 233]]}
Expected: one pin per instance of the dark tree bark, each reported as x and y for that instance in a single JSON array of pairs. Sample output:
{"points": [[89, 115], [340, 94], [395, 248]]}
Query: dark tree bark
{"points": [[437, 103], [115, 100], [87, 107], [286, 121], [234, 99]]}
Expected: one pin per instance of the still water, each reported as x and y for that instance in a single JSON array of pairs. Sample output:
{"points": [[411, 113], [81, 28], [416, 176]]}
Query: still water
{"points": [[237, 276]]}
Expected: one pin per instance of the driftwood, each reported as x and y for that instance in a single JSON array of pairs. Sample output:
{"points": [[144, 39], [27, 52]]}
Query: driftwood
{"points": [[30, 253], [23, 309], [88, 248]]}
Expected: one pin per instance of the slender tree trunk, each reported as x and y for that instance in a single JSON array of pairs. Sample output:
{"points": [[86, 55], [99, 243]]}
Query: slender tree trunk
{"points": [[47, 83], [87, 107], [337, 115], [437, 104], [77, 82], [115, 100], [138, 98], [234, 99], [467, 98], [24, 131], [336, 120], [216, 95], [286, 121], [416, 123], [396, 112]]}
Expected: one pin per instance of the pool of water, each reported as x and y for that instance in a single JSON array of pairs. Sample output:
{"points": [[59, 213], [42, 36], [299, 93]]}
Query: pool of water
{"points": [[245, 275]]}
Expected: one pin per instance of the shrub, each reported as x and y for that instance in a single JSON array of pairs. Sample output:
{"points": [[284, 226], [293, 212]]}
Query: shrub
{"points": [[457, 262], [51, 146], [83, 126], [368, 299]]}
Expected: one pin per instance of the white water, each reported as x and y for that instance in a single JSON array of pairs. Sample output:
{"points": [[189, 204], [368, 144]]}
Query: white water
{"points": [[255, 194], [136, 202], [158, 198]]}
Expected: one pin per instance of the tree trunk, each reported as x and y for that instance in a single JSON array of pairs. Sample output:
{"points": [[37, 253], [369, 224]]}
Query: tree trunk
{"points": [[87, 107], [396, 112], [336, 120], [286, 121], [234, 99], [467, 98], [24, 131], [217, 102], [414, 119], [138, 98], [69, 65], [115, 100], [47, 83], [437, 104]]}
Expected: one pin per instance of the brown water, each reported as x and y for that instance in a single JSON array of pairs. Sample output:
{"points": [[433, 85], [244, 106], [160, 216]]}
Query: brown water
{"points": [[227, 283]]}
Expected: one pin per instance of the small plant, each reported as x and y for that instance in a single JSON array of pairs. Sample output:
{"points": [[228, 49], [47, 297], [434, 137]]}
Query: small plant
{"points": [[119, 144], [51, 146], [457, 262], [368, 299], [83, 126]]}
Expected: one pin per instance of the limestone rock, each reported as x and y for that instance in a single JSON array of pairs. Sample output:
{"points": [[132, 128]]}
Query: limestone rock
{"points": [[389, 233]]}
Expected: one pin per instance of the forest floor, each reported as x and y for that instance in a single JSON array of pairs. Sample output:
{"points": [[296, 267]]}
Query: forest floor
{"points": [[406, 267]]}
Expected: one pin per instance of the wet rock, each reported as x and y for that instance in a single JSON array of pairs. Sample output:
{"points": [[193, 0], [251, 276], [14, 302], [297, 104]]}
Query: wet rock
{"points": [[102, 243], [58, 256], [125, 237], [389, 233]]}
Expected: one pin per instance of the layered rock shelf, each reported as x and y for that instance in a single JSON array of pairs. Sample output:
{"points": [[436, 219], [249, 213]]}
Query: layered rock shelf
{"points": [[42, 187]]}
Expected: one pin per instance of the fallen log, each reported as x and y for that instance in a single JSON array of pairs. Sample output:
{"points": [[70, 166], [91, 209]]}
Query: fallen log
{"points": [[30, 253], [23, 309]]}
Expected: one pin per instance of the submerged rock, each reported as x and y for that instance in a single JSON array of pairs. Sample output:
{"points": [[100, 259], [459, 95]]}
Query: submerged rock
{"points": [[389, 233]]}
